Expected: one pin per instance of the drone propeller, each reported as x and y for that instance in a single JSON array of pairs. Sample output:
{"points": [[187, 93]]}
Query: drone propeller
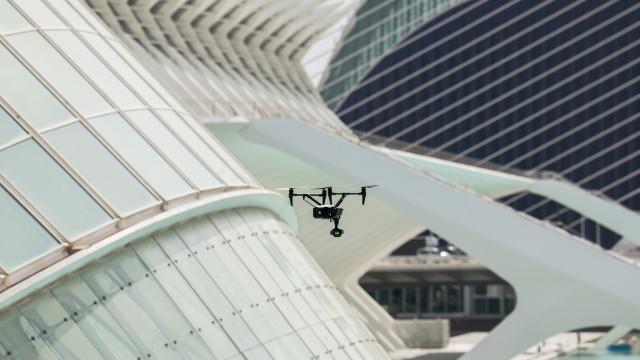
{"points": [[363, 191]]}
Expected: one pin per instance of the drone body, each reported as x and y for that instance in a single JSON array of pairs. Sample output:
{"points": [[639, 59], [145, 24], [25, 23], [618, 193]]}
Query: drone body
{"points": [[329, 212]]}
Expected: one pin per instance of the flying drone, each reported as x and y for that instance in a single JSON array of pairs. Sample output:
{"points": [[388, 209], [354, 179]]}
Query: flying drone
{"points": [[329, 212]]}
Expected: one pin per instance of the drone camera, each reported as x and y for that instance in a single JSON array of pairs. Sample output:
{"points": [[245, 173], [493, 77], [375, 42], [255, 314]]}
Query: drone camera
{"points": [[336, 232], [326, 212]]}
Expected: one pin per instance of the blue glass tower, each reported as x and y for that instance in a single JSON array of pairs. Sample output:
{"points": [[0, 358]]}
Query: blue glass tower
{"points": [[539, 86]]}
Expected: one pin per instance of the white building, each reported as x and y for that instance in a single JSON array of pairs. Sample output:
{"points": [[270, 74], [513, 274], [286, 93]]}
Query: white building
{"points": [[129, 231]]}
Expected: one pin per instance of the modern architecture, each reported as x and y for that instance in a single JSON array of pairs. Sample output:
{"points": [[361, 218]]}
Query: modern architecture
{"points": [[537, 86], [130, 230]]}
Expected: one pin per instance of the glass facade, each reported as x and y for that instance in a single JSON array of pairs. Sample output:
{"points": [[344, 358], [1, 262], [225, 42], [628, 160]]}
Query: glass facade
{"points": [[98, 134], [226, 285], [536, 86], [94, 148], [377, 27], [468, 301]]}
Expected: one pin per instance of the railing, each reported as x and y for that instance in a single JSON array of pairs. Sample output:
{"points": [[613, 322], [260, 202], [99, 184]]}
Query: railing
{"points": [[427, 260]]}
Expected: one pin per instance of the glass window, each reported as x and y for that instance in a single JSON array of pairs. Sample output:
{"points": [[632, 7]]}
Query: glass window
{"points": [[11, 19], [219, 149], [51, 190], [90, 17], [100, 168], [95, 69], [41, 14], [22, 90], [173, 149], [206, 153], [96, 322], [257, 353], [126, 54], [288, 347], [135, 81], [62, 76], [137, 152], [47, 316], [23, 238], [70, 14], [9, 129], [16, 336]]}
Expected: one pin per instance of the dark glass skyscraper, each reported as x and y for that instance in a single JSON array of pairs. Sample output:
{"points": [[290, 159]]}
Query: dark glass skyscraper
{"points": [[539, 86]]}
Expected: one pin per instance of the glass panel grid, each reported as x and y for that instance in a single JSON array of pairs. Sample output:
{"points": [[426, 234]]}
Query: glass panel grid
{"points": [[161, 299], [142, 157], [173, 149], [21, 89], [95, 69], [111, 180], [38, 52], [51, 189]]}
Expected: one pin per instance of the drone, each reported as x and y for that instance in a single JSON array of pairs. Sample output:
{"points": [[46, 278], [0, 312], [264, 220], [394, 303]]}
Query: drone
{"points": [[331, 212]]}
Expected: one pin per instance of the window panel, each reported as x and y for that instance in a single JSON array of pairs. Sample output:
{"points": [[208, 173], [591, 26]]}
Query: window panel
{"points": [[9, 129], [70, 14], [51, 190], [200, 280], [137, 152], [23, 238], [290, 312], [91, 18], [239, 332], [21, 89], [16, 336], [257, 353], [126, 54], [11, 19], [288, 347], [174, 149], [62, 76], [312, 341], [127, 72], [47, 316], [95, 69], [220, 150], [206, 153], [41, 14], [96, 322], [100, 168]]}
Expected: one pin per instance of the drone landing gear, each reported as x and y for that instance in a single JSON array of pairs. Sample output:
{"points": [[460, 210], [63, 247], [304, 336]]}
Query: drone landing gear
{"points": [[336, 232]]}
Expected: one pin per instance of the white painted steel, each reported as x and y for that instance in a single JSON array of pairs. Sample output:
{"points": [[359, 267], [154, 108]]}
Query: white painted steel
{"points": [[558, 278]]}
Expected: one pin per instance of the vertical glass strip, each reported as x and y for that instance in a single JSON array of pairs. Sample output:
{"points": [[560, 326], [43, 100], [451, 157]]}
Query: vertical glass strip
{"points": [[93, 318], [49, 318]]}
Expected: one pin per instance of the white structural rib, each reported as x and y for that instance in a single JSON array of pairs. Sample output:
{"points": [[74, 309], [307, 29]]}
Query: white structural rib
{"points": [[559, 278], [497, 184]]}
